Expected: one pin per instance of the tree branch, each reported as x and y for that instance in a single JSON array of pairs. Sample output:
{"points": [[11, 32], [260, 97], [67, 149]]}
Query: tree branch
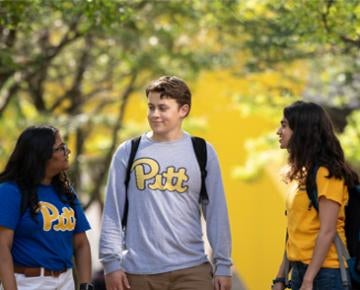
{"points": [[124, 98], [324, 16], [9, 41], [6, 97], [66, 40], [74, 93], [353, 42]]}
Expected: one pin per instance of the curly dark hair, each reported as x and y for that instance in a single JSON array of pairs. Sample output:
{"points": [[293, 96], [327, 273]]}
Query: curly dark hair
{"points": [[27, 164], [314, 143]]}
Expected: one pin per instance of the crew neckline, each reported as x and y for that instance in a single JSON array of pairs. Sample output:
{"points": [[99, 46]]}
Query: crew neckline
{"points": [[184, 135]]}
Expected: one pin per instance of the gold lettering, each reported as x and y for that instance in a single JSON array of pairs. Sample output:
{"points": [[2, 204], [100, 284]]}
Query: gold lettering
{"points": [[141, 175], [171, 180], [181, 178], [66, 220], [174, 180], [50, 214], [61, 224], [70, 218], [157, 184]]}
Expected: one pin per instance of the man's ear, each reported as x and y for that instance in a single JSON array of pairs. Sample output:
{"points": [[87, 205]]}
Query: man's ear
{"points": [[184, 110]]}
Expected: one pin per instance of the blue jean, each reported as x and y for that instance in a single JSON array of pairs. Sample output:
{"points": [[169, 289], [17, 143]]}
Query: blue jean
{"points": [[326, 279]]}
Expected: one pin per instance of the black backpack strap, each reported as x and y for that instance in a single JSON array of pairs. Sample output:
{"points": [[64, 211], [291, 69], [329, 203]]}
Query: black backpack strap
{"points": [[134, 147], [311, 187], [200, 150]]}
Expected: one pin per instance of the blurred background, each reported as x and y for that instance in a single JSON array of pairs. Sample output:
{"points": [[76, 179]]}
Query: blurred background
{"points": [[82, 66]]}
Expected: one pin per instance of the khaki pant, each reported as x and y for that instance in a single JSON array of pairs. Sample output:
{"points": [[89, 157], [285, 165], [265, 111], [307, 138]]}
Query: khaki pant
{"points": [[194, 278]]}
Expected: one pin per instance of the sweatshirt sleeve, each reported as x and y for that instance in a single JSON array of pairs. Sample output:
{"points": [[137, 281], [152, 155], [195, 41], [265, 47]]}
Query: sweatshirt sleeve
{"points": [[216, 214], [112, 235]]}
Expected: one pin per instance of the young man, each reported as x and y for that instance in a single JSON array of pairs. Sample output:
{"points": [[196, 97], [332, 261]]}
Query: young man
{"points": [[162, 246]]}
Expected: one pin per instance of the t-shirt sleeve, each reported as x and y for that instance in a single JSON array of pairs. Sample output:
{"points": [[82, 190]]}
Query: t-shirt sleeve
{"points": [[330, 188], [82, 223], [10, 210]]}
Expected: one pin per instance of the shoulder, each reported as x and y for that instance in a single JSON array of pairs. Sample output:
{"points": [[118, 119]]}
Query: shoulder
{"points": [[124, 145], [331, 187], [10, 209], [9, 187], [209, 146], [211, 153], [323, 175], [123, 149], [323, 172], [9, 191]]}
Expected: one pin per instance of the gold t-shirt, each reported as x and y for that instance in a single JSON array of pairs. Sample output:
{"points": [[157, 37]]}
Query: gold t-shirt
{"points": [[304, 223]]}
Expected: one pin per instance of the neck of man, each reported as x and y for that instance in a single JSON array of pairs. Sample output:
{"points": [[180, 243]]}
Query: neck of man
{"points": [[171, 136]]}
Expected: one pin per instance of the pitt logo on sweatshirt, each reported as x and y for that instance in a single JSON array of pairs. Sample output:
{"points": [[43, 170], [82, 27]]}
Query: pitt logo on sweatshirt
{"points": [[172, 179]]}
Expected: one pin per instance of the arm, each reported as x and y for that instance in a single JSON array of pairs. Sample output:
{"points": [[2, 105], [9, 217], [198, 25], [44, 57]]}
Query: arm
{"points": [[112, 235], [217, 223], [6, 265], [328, 213], [116, 280], [280, 274], [222, 282], [82, 257]]}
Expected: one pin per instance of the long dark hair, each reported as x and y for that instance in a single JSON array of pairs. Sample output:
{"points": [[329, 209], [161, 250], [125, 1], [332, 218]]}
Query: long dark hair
{"points": [[314, 143], [27, 164]]}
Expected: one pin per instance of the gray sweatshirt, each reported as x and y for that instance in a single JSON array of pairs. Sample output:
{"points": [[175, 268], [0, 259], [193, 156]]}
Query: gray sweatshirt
{"points": [[164, 219]]}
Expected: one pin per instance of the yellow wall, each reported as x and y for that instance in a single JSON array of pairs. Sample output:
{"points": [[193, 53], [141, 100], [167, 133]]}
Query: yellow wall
{"points": [[256, 209]]}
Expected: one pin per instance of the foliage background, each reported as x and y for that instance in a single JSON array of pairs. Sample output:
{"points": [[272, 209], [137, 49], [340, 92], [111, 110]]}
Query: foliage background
{"points": [[82, 66]]}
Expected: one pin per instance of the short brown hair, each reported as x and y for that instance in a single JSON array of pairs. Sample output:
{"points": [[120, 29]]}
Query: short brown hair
{"points": [[171, 87]]}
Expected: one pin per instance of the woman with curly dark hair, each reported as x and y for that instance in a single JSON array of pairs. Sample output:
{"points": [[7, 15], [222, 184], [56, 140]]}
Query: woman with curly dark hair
{"points": [[42, 224], [307, 133]]}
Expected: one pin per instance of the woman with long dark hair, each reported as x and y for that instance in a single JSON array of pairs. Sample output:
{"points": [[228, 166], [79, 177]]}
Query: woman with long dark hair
{"points": [[42, 224], [307, 133]]}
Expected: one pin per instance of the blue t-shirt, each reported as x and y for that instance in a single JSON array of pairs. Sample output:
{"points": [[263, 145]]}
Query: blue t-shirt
{"points": [[47, 240]]}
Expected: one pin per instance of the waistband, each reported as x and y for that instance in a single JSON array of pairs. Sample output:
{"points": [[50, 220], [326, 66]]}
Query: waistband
{"points": [[37, 272]]}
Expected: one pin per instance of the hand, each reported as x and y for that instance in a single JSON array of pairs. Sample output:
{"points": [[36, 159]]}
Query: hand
{"points": [[306, 285], [116, 281], [222, 282], [278, 286]]}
